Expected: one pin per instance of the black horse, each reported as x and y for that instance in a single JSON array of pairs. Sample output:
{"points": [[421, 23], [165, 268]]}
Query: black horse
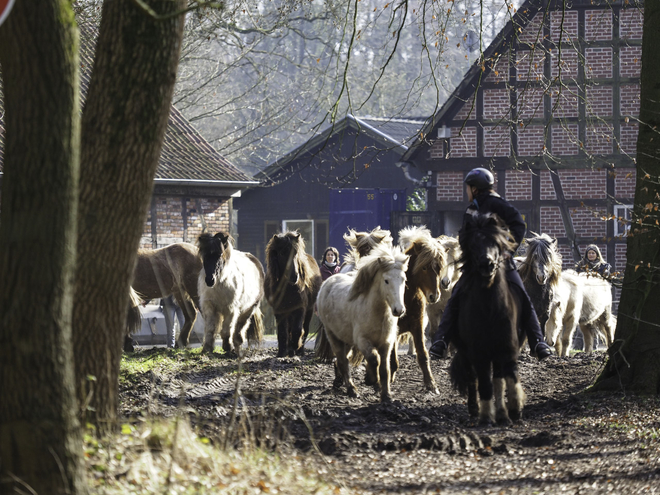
{"points": [[488, 334], [293, 280]]}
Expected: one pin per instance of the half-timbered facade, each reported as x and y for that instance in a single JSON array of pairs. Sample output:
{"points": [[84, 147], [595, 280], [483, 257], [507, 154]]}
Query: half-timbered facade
{"points": [[552, 110]]}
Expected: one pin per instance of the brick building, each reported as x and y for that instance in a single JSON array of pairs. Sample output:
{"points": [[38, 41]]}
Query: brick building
{"points": [[552, 112]]}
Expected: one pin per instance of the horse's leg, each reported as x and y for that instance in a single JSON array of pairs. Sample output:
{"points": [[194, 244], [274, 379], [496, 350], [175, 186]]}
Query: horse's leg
{"points": [[309, 313], [394, 359], [190, 315], [296, 321], [371, 372], [228, 325], [344, 370], [485, 385], [501, 413], [240, 331], [282, 334], [211, 322], [514, 392], [423, 358], [384, 372], [588, 336]]}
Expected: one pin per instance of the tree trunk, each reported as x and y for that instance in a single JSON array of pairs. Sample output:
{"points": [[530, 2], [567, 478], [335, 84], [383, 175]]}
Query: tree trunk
{"points": [[40, 437], [634, 358], [123, 126]]}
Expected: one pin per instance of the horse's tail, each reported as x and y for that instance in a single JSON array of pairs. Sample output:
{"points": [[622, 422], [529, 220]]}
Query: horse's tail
{"points": [[356, 357], [255, 332], [322, 347], [460, 373]]}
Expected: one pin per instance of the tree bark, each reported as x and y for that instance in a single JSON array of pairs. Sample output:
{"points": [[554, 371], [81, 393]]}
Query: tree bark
{"points": [[40, 437], [123, 126], [634, 358]]}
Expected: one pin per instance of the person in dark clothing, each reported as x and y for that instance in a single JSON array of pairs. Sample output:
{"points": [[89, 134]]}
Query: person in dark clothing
{"points": [[330, 264], [593, 263], [479, 186]]}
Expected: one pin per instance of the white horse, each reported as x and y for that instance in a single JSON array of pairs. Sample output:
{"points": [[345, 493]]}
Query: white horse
{"points": [[584, 300], [360, 311], [230, 287]]}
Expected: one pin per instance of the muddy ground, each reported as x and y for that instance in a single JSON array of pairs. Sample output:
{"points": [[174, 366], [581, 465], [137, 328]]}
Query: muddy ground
{"points": [[567, 442]]}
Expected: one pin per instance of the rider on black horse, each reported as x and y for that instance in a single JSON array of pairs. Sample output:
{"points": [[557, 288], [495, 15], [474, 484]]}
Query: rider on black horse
{"points": [[479, 186]]}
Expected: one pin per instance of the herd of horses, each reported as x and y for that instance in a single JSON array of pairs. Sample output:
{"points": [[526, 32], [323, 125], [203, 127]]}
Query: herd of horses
{"points": [[383, 294]]}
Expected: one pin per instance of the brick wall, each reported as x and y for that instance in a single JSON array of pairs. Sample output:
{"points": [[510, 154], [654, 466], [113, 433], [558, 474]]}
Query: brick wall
{"points": [[564, 24], [547, 189], [499, 70], [599, 101], [629, 94], [566, 66], [588, 222], [530, 140], [551, 222], [564, 102], [464, 145], [530, 65], [628, 141], [170, 224], [598, 62], [466, 111], [620, 251], [584, 184], [630, 61], [565, 139], [518, 185], [631, 23], [497, 104], [533, 30], [436, 150], [450, 186], [497, 140], [599, 139], [530, 103], [624, 182], [598, 25]]}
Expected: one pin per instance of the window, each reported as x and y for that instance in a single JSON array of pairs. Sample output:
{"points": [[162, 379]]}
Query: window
{"points": [[622, 214], [306, 229]]}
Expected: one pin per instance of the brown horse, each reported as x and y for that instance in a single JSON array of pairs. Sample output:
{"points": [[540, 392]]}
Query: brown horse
{"points": [[361, 244], [293, 280], [173, 269], [424, 273]]}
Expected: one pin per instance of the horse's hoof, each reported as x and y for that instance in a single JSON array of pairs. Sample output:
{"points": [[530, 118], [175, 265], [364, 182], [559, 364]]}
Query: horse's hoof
{"points": [[515, 416], [504, 421], [370, 380], [352, 393], [300, 352], [338, 383], [386, 399], [207, 350], [281, 354]]}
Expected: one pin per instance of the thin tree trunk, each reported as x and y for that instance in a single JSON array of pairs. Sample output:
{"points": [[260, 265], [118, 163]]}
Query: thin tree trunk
{"points": [[40, 438], [123, 126], [634, 359]]}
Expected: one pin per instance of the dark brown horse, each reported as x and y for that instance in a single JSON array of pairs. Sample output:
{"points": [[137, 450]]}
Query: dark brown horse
{"points": [[488, 340], [427, 260], [293, 280]]}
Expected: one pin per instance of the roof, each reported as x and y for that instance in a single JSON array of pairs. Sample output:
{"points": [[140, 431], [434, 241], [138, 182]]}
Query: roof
{"points": [[186, 157], [394, 134]]}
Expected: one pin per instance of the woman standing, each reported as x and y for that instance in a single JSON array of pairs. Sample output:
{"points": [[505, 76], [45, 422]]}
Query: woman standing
{"points": [[593, 262], [330, 264]]}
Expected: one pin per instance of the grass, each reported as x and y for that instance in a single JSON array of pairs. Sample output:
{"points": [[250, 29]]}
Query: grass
{"points": [[168, 457]]}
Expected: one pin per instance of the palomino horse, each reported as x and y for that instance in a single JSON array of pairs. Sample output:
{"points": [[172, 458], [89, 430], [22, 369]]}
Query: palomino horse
{"points": [[359, 312], [230, 289], [292, 283], [425, 267], [172, 269], [488, 331], [361, 243], [584, 300]]}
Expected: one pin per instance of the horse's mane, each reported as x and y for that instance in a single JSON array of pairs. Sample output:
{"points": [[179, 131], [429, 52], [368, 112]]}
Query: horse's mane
{"points": [[544, 248], [489, 224], [361, 243], [420, 241], [207, 243], [380, 259], [294, 241]]}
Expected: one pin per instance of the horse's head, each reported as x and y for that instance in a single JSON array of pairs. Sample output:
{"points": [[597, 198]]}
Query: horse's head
{"points": [[542, 261], [427, 262], [484, 239], [283, 256], [384, 271], [450, 272], [214, 250], [363, 242]]}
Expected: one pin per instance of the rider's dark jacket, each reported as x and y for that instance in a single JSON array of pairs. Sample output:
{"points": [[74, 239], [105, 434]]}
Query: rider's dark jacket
{"points": [[491, 202]]}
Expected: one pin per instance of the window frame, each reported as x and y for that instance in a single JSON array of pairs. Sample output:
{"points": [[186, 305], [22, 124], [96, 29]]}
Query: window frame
{"points": [[621, 229]]}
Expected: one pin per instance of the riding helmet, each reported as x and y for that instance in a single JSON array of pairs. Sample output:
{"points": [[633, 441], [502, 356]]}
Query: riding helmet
{"points": [[480, 178]]}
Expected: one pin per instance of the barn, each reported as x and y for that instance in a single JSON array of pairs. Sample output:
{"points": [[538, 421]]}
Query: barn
{"points": [[354, 156], [551, 108]]}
